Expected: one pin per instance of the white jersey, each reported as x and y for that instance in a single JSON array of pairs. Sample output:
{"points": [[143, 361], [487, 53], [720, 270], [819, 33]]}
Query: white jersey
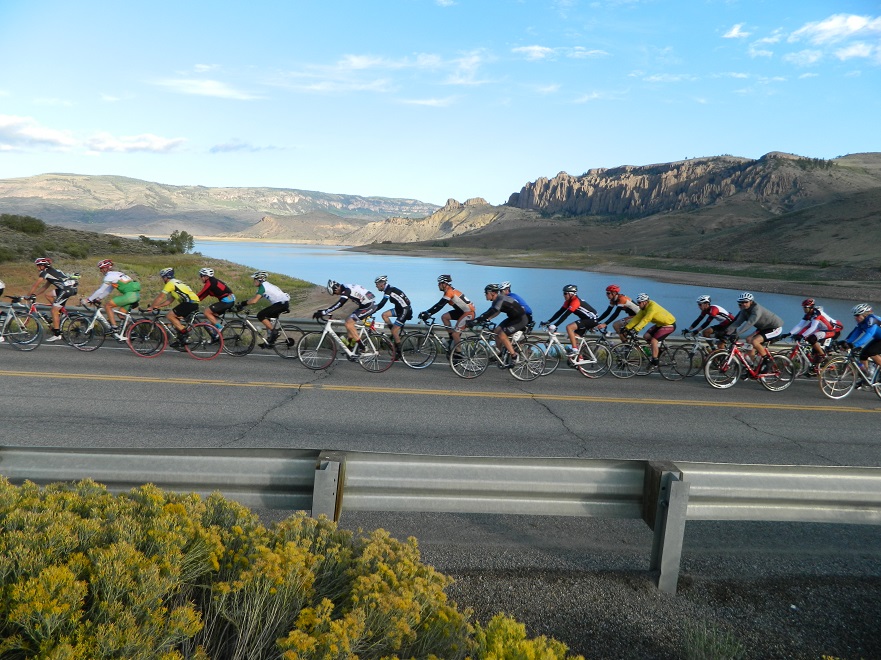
{"points": [[360, 295], [272, 293], [111, 277]]}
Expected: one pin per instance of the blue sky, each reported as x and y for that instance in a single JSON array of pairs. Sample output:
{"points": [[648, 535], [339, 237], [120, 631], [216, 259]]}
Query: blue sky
{"points": [[427, 99]]}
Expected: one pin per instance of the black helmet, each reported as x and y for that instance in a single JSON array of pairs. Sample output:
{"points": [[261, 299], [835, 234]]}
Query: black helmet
{"points": [[492, 287], [570, 288], [445, 279]]}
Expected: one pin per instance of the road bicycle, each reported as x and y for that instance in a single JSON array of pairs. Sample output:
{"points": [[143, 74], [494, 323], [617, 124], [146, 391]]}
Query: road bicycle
{"points": [[240, 335], [420, 348], [841, 375], [690, 357], [805, 362], [725, 367], [21, 329], [373, 351], [631, 358], [88, 332], [470, 357], [203, 341], [46, 318], [591, 358]]}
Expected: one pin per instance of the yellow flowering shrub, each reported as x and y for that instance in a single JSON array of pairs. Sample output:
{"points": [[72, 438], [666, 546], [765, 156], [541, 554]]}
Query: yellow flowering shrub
{"points": [[87, 575]]}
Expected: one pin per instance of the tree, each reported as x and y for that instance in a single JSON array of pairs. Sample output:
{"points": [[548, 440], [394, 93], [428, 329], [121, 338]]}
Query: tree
{"points": [[181, 241]]}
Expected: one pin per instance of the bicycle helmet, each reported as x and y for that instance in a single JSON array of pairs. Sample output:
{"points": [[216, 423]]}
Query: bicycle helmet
{"points": [[382, 280], [504, 285], [331, 285], [260, 276], [613, 288], [703, 299], [166, 272], [862, 308], [43, 261], [208, 272], [642, 297], [570, 288], [105, 265], [444, 279], [746, 296], [807, 302], [491, 287]]}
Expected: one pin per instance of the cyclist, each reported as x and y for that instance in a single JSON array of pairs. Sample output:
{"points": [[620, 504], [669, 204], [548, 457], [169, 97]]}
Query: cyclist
{"points": [[711, 313], [505, 288], [220, 290], [463, 309], [402, 311], [364, 299], [572, 304], [815, 327], [516, 320], [64, 287], [618, 303], [129, 293], [279, 303], [651, 312], [766, 323], [187, 301], [866, 336]]}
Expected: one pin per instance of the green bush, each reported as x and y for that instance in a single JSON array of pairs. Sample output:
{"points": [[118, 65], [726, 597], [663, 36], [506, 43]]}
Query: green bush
{"points": [[86, 574], [23, 223]]}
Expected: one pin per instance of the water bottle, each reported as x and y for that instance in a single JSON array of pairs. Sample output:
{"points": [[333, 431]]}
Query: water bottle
{"points": [[647, 350], [871, 370]]}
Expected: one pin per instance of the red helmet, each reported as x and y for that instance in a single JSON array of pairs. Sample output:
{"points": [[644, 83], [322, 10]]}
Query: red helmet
{"points": [[613, 288], [807, 302], [43, 261], [105, 264]]}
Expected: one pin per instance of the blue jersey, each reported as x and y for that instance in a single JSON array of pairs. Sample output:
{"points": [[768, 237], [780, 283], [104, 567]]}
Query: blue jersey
{"points": [[869, 328], [526, 308]]}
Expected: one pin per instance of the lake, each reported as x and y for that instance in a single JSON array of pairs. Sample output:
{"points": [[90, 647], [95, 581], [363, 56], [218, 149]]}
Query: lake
{"points": [[540, 287]]}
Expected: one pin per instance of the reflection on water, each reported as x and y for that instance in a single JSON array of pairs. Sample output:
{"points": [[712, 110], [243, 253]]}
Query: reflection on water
{"points": [[541, 287]]}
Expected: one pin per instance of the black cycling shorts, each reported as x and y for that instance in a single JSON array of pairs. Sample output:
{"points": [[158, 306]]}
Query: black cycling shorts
{"points": [[274, 310], [870, 349], [513, 323], [184, 309]]}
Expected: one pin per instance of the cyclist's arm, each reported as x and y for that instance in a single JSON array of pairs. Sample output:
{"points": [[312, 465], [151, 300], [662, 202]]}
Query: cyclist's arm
{"points": [[435, 308]]}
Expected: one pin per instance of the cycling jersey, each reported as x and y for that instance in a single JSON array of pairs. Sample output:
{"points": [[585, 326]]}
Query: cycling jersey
{"points": [[272, 293], [763, 320], [867, 330], [716, 313], [57, 279], [398, 298], [816, 322], [354, 293], [621, 304], [651, 313], [115, 279], [526, 308], [577, 306], [456, 299], [503, 304], [218, 289], [180, 291]]}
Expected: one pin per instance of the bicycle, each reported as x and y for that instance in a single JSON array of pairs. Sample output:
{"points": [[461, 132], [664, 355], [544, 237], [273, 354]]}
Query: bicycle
{"points": [[804, 360], [724, 368], [841, 375], [87, 333], [690, 357], [22, 330], [240, 335], [420, 348], [591, 358], [317, 350], [631, 358], [46, 319], [203, 341], [470, 357]]}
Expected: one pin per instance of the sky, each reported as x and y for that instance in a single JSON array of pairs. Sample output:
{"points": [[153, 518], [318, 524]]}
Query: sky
{"points": [[427, 99]]}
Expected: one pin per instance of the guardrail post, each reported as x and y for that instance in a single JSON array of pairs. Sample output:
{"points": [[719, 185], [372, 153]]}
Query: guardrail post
{"points": [[327, 491], [664, 485]]}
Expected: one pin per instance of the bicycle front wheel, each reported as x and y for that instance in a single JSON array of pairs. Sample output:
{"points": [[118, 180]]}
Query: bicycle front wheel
{"points": [[838, 378], [469, 358], [781, 376], [688, 360], [24, 332], [418, 350], [531, 362], [627, 360], [204, 341], [286, 344], [78, 334], [667, 365], [719, 373], [594, 359], [553, 354], [239, 338], [378, 354], [146, 338], [316, 350], [67, 319]]}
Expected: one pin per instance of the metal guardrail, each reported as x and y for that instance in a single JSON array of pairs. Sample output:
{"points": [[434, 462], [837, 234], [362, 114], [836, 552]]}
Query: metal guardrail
{"points": [[664, 494]]}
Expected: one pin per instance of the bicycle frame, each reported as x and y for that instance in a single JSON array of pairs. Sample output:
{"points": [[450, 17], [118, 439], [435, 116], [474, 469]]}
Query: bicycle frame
{"points": [[420, 348], [27, 330], [723, 369], [317, 350], [839, 376]]}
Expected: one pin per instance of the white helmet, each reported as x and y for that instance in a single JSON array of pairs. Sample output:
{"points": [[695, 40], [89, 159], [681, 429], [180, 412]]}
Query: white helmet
{"points": [[703, 299], [642, 297], [208, 272], [746, 296], [862, 308]]}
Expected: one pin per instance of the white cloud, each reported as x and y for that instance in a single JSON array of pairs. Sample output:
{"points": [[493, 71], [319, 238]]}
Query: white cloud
{"points": [[19, 133], [432, 103], [670, 78], [444, 3], [805, 57], [146, 142], [579, 52], [736, 32], [859, 49], [599, 96], [838, 27], [235, 145], [213, 88], [53, 102], [534, 52]]}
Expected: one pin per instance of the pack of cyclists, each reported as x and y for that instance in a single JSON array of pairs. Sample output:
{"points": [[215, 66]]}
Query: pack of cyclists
{"points": [[120, 292]]}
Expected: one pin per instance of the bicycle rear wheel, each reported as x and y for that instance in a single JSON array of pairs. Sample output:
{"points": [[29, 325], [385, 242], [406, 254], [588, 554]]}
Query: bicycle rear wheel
{"points": [[286, 344], [146, 338], [316, 350], [24, 332], [781, 376], [719, 373], [554, 353], [69, 318], [838, 378], [469, 358], [418, 350], [627, 360], [594, 359], [378, 354], [688, 360], [239, 338], [667, 365], [531, 362], [78, 334], [204, 341]]}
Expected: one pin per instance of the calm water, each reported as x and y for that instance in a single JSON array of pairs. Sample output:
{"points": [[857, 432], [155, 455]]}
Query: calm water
{"points": [[540, 287]]}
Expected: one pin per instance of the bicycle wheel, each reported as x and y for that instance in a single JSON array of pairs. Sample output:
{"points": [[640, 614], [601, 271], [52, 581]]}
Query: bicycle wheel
{"points": [[24, 332], [419, 349], [204, 341], [146, 338], [800, 362], [286, 344], [531, 362], [781, 376], [378, 354], [688, 360], [627, 360], [66, 320], [594, 359], [838, 378], [78, 334], [239, 338], [719, 373], [316, 350], [554, 354], [667, 366], [645, 367], [469, 358]]}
